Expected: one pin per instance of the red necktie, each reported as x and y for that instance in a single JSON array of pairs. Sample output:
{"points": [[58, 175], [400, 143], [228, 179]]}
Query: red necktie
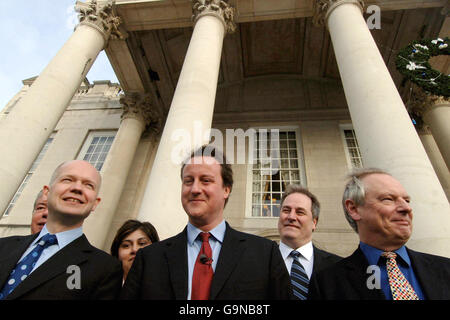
{"points": [[203, 272]]}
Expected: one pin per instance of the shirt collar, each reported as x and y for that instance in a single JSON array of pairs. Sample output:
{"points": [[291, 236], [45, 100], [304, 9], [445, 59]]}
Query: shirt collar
{"points": [[373, 254], [218, 232], [64, 238], [306, 250]]}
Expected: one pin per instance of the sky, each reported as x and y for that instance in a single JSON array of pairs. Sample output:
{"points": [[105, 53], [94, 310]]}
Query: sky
{"points": [[31, 33]]}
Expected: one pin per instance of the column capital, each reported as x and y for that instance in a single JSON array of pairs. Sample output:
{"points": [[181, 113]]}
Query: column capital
{"points": [[139, 106], [100, 15], [217, 8], [323, 9]]}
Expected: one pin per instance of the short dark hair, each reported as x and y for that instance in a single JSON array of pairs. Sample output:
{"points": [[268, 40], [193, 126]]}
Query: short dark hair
{"points": [[129, 227], [212, 151], [296, 188]]}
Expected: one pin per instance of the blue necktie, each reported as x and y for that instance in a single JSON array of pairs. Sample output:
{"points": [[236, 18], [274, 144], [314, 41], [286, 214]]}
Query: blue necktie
{"points": [[24, 267], [299, 278]]}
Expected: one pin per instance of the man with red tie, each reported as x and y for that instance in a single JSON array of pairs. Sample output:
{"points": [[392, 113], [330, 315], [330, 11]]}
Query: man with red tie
{"points": [[208, 260]]}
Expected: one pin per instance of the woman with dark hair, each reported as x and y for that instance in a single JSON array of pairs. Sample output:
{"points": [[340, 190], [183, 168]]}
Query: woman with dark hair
{"points": [[132, 236]]}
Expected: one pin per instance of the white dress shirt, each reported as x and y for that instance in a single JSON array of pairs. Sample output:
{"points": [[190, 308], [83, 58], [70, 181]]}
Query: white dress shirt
{"points": [[64, 238], [306, 258]]}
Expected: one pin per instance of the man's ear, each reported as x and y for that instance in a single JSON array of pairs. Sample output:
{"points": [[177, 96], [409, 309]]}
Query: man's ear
{"points": [[97, 201], [227, 193], [352, 209], [45, 190], [314, 224]]}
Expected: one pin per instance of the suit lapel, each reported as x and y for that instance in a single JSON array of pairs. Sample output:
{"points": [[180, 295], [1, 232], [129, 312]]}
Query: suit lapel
{"points": [[423, 268], [318, 259], [74, 253], [9, 259], [232, 249], [356, 266], [176, 254]]}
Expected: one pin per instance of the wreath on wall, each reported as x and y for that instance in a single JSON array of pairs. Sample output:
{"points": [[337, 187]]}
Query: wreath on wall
{"points": [[413, 63]]}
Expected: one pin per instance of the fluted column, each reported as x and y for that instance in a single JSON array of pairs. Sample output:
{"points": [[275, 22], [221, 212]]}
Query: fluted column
{"points": [[435, 157], [192, 107], [386, 136], [24, 132], [137, 115]]}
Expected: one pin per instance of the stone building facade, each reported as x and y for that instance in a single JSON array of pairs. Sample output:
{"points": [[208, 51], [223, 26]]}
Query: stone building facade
{"points": [[310, 76]]}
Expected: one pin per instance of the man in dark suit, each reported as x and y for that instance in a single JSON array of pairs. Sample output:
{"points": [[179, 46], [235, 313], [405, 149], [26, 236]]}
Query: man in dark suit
{"points": [[66, 266], [40, 213], [377, 207], [209, 259], [298, 219]]}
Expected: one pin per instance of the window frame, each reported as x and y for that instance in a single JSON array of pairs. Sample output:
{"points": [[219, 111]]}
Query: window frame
{"points": [[342, 128], [301, 167], [88, 142]]}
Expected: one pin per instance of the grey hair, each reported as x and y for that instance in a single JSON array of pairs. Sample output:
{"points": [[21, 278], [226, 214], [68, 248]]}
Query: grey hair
{"points": [[354, 190], [39, 195], [296, 188]]}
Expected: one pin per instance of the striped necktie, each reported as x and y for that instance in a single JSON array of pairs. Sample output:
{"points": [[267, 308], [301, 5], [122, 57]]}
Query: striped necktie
{"points": [[299, 278], [400, 287]]}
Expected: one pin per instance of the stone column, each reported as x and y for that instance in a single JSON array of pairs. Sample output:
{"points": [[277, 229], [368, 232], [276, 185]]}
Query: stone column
{"points": [[24, 132], [190, 115], [137, 115], [386, 136], [435, 157], [435, 112]]}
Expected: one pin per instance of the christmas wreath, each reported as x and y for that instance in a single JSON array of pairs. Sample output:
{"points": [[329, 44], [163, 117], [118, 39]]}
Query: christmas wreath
{"points": [[413, 62]]}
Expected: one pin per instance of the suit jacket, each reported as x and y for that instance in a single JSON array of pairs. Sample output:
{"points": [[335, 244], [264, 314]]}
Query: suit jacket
{"points": [[323, 259], [347, 279], [248, 267], [100, 273]]}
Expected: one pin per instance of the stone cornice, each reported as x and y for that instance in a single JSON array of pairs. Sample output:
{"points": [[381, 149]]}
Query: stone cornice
{"points": [[101, 17], [323, 8], [217, 8], [139, 106]]}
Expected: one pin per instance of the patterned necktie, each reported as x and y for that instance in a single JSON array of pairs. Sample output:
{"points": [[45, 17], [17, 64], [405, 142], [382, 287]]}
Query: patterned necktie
{"points": [[24, 267], [203, 272], [400, 287], [299, 278]]}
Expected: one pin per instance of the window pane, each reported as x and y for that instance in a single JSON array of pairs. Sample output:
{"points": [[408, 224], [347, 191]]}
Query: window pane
{"points": [[278, 168], [256, 211], [352, 149], [98, 149], [292, 144]]}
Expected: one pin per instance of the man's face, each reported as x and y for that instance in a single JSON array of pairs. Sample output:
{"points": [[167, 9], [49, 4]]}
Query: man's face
{"points": [[203, 193], [39, 217], [296, 223], [73, 193], [385, 219]]}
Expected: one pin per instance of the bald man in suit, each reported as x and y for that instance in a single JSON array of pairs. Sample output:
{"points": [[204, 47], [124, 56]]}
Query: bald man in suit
{"points": [[69, 267]]}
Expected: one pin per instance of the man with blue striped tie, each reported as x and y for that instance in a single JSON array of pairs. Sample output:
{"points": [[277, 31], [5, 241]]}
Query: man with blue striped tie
{"points": [[298, 219]]}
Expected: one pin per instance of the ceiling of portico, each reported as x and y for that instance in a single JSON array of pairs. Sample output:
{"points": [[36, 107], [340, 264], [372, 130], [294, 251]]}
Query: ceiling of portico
{"points": [[266, 64]]}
